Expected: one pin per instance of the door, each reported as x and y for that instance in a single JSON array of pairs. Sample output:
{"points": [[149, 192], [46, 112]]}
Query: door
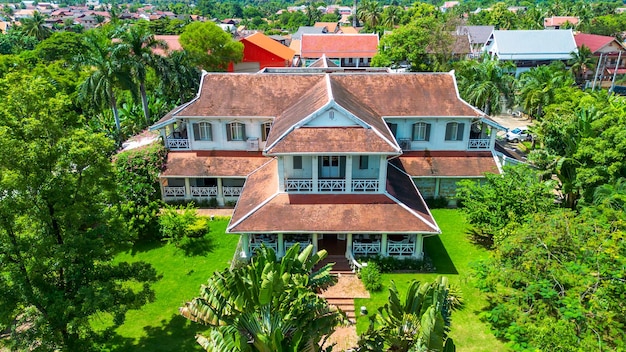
{"points": [[330, 167]]}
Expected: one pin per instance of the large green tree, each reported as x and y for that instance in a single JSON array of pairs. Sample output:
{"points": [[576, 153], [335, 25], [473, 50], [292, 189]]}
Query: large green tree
{"points": [[58, 229], [539, 87], [267, 305], [556, 283], [210, 47], [487, 84]]}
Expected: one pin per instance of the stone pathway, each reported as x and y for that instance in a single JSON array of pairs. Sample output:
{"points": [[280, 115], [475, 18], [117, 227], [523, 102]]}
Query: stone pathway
{"points": [[342, 295]]}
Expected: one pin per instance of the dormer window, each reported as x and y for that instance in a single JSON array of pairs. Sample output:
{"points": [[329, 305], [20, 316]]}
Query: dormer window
{"points": [[235, 131], [421, 131], [265, 130], [454, 131], [202, 131]]}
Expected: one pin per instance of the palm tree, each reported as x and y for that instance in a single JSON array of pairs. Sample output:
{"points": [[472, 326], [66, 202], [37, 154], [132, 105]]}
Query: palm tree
{"points": [[486, 84], [107, 73], [313, 14], [581, 62], [539, 86], [179, 76], [267, 305], [611, 195], [419, 323], [139, 43], [36, 27], [391, 16], [370, 13]]}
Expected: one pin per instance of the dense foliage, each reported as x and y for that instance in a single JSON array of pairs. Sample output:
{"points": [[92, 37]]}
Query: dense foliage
{"points": [[58, 229], [267, 305]]}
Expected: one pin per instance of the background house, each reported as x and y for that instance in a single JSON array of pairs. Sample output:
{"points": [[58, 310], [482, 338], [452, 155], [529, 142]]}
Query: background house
{"points": [[531, 48], [261, 51], [345, 50], [609, 53]]}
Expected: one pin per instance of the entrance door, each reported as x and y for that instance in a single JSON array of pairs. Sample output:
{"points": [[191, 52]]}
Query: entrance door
{"points": [[333, 244], [330, 167]]}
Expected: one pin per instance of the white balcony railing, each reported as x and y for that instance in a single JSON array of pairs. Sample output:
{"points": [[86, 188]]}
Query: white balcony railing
{"points": [[364, 185], [479, 143], [299, 185], [303, 244], [177, 143], [331, 185], [256, 245], [204, 191], [400, 248], [366, 248], [170, 191], [232, 191]]}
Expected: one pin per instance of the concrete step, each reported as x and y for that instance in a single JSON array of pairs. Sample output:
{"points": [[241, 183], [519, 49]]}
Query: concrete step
{"points": [[345, 304]]}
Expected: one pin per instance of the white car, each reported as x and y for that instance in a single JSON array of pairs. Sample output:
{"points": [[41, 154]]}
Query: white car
{"points": [[518, 134]]}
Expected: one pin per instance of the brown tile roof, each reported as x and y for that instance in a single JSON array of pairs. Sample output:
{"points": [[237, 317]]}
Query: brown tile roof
{"points": [[331, 27], [295, 46], [173, 44], [560, 20], [268, 44], [249, 94], [339, 45], [212, 164], [307, 103], [259, 211], [447, 163], [332, 140], [411, 94]]}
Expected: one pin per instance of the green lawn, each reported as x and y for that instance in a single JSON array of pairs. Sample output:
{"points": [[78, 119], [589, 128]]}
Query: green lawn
{"points": [[452, 255], [157, 326]]}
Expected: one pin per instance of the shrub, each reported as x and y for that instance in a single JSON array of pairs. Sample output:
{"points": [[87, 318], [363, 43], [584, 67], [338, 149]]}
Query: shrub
{"points": [[391, 264], [370, 276], [437, 202], [178, 224]]}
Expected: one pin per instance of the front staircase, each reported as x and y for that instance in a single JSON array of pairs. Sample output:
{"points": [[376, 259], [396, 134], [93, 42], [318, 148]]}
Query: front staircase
{"points": [[341, 266], [341, 295]]}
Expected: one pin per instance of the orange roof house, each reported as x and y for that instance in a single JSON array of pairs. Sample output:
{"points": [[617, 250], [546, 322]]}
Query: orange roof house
{"points": [[340, 158], [557, 22], [261, 51], [346, 50]]}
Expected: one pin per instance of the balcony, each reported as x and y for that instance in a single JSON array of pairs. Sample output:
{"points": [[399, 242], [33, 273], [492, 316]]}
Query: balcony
{"points": [[199, 192], [177, 143], [479, 144], [331, 185], [204, 191]]}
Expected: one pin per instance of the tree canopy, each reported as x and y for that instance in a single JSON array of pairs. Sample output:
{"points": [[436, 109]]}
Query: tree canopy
{"points": [[210, 47]]}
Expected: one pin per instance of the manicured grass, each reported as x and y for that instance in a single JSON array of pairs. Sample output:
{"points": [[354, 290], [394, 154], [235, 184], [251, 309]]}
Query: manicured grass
{"points": [[452, 255], [157, 326]]}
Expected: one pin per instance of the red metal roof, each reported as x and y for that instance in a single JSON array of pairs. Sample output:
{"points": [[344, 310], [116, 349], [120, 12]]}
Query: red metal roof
{"points": [[339, 45], [592, 41]]}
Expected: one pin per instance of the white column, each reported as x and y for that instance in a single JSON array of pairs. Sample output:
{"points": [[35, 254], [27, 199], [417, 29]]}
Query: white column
{"points": [[349, 243], [161, 181], [245, 246], [280, 242], [314, 241], [382, 175], [314, 171], [418, 251], [383, 245], [164, 135], [187, 188], [437, 185], [348, 180], [220, 193], [281, 173]]}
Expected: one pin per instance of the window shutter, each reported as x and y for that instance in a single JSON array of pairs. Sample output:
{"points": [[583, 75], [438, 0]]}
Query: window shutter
{"points": [[229, 135], [427, 137], [363, 162], [196, 131], [459, 131], [263, 134], [449, 131], [209, 128], [243, 131], [393, 127], [414, 132]]}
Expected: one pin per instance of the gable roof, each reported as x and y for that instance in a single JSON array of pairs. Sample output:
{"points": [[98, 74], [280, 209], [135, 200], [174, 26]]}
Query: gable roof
{"points": [[270, 45], [533, 44], [330, 26], [401, 209], [338, 45], [307, 30], [594, 42], [477, 34], [172, 41]]}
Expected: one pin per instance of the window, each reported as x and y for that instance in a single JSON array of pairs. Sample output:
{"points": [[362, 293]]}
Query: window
{"points": [[202, 131], [235, 131], [454, 131], [265, 130], [421, 131], [297, 162], [363, 162]]}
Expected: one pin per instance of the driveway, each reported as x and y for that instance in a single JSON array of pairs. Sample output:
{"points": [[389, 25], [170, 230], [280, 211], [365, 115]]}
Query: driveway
{"points": [[509, 121]]}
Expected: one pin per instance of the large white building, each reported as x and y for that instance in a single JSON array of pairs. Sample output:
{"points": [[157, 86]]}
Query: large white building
{"points": [[325, 156]]}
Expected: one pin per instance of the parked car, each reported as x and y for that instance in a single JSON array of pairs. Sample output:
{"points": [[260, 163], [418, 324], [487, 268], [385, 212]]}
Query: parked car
{"points": [[518, 134]]}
